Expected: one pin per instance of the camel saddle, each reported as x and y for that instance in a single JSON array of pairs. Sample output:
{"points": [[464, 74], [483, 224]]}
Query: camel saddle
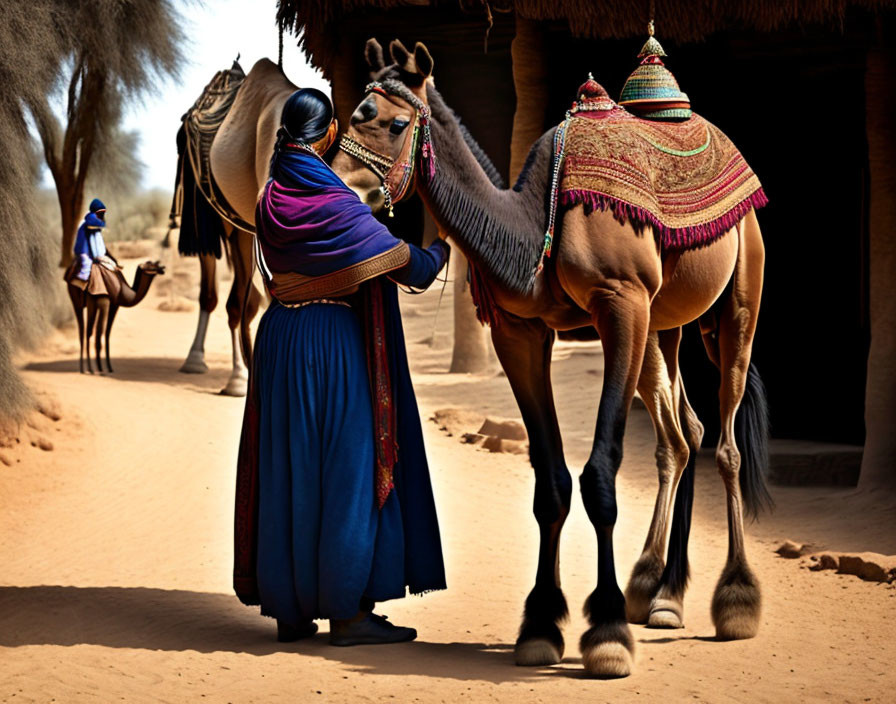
{"points": [[685, 179], [102, 281], [201, 124]]}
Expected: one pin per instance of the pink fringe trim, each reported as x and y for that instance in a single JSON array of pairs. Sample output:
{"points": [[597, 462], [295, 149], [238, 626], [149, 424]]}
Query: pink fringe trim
{"points": [[690, 237]]}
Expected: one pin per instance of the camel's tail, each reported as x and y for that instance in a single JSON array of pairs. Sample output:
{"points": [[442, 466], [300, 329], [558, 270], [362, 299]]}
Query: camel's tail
{"points": [[751, 432]]}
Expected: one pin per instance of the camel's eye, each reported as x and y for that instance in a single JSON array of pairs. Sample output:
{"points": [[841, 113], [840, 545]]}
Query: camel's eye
{"points": [[398, 125]]}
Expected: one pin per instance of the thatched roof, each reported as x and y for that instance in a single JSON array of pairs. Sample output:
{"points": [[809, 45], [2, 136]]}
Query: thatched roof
{"points": [[677, 20]]}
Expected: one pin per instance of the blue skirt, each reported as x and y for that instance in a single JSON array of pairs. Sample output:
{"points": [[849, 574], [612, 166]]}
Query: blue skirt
{"points": [[322, 543]]}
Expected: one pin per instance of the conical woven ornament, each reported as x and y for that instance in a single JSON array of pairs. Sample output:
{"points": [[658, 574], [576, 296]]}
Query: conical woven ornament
{"points": [[651, 91]]}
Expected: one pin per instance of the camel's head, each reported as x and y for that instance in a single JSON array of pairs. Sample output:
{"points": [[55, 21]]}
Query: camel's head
{"points": [[389, 129], [152, 268]]}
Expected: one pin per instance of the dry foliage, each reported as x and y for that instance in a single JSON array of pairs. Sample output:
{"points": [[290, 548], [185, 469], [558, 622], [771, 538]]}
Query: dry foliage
{"points": [[99, 53]]}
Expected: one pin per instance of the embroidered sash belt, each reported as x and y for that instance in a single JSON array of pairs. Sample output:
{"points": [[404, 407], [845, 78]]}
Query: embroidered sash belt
{"points": [[297, 288]]}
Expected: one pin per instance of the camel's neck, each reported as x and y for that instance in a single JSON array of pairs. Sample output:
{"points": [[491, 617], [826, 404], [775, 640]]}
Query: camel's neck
{"points": [[500, 230], [132, 296]]}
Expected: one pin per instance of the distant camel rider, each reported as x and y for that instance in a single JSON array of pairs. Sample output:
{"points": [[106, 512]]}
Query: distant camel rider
{"points": [[90, 248]]}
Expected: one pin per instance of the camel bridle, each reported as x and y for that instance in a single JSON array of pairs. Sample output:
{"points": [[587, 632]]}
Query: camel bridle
{"points": [[395, 175]]}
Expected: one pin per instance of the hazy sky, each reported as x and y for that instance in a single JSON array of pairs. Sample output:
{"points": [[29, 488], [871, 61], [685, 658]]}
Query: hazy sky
{"points": [[217, 31]]}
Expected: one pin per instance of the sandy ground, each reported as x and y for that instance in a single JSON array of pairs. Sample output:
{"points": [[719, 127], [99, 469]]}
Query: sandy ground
{"points": [[115, 549]]}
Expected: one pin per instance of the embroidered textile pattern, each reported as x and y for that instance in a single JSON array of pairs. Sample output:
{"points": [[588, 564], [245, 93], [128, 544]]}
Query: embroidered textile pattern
{"points": [[384, 416], [687, 180]]}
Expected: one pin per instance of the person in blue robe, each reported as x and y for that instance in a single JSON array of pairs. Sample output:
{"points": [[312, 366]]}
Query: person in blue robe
{"points": [[89, 243], [334, 505]]}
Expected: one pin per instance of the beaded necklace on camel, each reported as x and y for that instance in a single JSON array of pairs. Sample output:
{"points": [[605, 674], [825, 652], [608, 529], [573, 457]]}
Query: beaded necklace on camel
{"points": [[396, 175]]}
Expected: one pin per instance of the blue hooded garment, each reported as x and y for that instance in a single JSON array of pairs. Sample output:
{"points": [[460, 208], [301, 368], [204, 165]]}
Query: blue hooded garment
{"points": [[89, 240]]}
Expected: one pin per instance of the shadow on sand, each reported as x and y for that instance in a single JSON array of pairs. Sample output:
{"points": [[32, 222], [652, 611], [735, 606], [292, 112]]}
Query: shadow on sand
{"points": [[148, 369], [179, 620]]}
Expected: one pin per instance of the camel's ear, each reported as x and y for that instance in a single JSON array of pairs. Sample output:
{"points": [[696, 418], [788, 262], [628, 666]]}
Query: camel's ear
{"points": [[400, 55], [373, 53], [423, 59]]}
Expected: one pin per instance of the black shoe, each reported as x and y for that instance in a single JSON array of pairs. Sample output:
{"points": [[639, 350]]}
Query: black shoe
{"points": [[287, 633], [371, 630]]}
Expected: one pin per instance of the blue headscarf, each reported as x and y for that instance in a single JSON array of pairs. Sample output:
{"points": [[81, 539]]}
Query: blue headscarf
{"points": [[89, 240]]}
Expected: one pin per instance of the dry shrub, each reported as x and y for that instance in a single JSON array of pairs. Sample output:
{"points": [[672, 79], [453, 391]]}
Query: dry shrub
{"points": [[136, 42]]}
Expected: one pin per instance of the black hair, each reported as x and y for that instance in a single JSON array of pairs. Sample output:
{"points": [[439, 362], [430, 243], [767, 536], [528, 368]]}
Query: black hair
{"points": [[307, 115]]}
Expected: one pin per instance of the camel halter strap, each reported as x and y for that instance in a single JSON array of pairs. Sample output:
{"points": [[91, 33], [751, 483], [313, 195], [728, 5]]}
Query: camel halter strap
{"points": [[396, 175]]}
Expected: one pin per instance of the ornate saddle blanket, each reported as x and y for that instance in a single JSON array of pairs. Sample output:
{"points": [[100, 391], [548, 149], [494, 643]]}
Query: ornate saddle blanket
{"points": [[201, 124], [685, 179]]}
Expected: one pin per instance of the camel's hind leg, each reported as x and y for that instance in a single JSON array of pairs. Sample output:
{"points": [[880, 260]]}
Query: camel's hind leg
{"points": [[88, 328], [208, 300], [667, 607], [736, 604], [524, 348], [661, 392]]}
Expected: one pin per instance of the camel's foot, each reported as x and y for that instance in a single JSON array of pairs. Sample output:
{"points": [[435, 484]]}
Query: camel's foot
{"points": [[237, 385], [540, 641], [194, 364], [736, 603], [537, 652], [642, 587], [666, 611], [608, 650]]}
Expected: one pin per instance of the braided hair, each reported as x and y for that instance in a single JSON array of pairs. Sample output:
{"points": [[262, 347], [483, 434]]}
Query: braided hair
{"points": [[305, 118]]}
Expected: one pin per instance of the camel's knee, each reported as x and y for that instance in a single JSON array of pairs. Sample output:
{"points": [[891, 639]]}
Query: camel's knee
{"points": [[671, 460], [208, 300], [728, 461], [598, 485], [553, 496]]}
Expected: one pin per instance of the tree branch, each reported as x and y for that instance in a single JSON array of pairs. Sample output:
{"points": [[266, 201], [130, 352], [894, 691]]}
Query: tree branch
{"points": [[48, 129]]}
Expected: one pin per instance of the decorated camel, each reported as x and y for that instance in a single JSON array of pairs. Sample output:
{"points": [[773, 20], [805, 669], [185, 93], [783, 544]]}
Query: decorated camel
{"points": [[634, 226], [224, 149], [104, 294]]}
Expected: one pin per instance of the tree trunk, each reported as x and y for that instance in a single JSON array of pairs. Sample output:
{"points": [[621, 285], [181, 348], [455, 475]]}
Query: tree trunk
{"points": [[70, 204], [879, 459], [472, 346], [346, 82], [530, 81]]}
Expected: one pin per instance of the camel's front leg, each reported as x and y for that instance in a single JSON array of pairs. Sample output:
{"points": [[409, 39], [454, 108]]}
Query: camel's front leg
{"points": [[242, 304], [208, 300], [524, 349], [621, 315], [113, 309], [78, 302]]}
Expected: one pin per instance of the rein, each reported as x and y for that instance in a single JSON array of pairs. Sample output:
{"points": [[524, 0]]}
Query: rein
{"points": [[396, 175]]}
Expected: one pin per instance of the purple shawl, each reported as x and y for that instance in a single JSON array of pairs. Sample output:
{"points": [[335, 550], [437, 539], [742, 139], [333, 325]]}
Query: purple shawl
{"points": [[309, 222]]}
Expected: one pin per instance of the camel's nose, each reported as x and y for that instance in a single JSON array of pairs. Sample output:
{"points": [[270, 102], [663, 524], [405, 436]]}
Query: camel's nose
{"points": [[366, 111]]}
